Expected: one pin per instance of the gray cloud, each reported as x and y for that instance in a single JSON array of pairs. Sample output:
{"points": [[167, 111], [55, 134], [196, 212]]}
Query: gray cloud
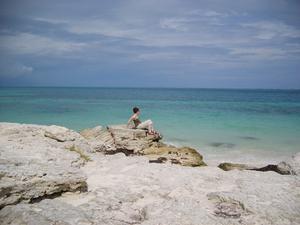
{"points": [[27, 43], [193, 36]]}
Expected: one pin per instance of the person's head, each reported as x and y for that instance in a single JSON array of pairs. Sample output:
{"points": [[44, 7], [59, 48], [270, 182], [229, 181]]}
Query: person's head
{"points": [[136, 110]]}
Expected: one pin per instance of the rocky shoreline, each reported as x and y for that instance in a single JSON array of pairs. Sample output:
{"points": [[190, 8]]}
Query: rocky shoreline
{"points": [[115, 175]]}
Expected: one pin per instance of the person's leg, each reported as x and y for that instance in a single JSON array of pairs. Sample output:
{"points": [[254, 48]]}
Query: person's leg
{"points": [[148, 124]]}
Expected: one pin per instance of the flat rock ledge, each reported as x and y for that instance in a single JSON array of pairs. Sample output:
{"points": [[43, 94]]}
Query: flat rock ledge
{"points": [[119, 138]]}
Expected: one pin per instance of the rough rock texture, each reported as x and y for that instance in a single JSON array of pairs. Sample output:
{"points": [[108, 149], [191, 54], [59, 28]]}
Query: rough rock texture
{"points": [[47, 212], [133, 140], [184, 156], [100, 139], [35, 161], [282, 168], [119, 138], [238, 166], [293, 164], [129, 190]]}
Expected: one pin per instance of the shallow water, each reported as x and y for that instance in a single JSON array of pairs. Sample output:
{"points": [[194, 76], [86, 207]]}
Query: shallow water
{"points": [[213, 120]]}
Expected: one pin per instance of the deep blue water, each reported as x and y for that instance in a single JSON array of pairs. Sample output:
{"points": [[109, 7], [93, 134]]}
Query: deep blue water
{"points": [[220, 119]]}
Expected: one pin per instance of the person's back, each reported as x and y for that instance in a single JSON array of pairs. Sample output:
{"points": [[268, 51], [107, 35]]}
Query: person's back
{"points": [[136, 122]]}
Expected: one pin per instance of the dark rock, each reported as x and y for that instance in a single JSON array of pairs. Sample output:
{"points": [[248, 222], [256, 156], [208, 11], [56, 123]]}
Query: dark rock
{"points": [[282, 168]]}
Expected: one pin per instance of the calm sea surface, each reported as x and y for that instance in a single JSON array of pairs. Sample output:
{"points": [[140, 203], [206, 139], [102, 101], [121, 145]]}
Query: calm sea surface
{"points": [[209, 119]]}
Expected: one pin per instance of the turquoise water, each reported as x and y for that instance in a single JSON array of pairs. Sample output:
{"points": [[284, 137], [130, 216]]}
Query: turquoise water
{"points": [[208, 119]]}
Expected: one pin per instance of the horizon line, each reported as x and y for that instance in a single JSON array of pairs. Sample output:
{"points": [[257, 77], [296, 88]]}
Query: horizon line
{"points": [[153, 87]]}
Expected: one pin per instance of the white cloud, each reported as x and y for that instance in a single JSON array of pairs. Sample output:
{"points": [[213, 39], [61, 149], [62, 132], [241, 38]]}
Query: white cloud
{"points": [[153, 36], [26, 43], [24, 69], [195, 30], [103, 27], [259, 52], [262, 53], [268, 30], [159, 56], [178, 24], [50, 20], [15, 69], [212, 13], [208, 13]]}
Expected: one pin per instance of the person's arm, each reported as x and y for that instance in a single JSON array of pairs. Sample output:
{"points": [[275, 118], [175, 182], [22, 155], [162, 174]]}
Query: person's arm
{"points": [[129, 121]]}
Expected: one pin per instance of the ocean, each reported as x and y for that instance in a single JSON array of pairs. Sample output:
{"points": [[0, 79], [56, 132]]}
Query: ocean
{"points": [[214, 121]]}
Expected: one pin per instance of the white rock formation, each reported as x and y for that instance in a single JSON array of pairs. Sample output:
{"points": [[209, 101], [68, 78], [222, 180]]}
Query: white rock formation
{"points": [[129, 190], [34, 165], [100, 139]]}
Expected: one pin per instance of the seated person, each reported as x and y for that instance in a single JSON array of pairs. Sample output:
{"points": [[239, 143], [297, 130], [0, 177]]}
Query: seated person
{"points": [[148, 124]]}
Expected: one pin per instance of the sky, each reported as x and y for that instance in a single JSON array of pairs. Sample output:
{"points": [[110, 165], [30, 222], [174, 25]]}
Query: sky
{"points": [[150, 43]]}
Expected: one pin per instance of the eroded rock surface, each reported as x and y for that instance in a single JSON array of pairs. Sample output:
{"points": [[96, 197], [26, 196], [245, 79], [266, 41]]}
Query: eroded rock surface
{"points": [[129, 190], [138, 142], [184, 156], [238, 166], [133, 140], [100, 138], [293, 164], [47, 212], [34, 165]]}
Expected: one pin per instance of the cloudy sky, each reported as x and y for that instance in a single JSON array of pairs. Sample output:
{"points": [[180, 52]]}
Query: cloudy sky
{"points": [[150, 43]]}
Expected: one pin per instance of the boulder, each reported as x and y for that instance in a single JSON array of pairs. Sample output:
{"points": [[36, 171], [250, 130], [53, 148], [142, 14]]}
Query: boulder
{"points": [[34, 166], [60, 134], [130, 140], [184, 156], [67, 138], [138, 142]]}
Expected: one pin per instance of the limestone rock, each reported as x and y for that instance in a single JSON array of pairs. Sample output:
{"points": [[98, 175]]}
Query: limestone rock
{"points": [[33, 166], [119, 138], [285, 169], [67, 138], [227, 207], [133, 140], [292, 165], [231, 166], [99, 138], [60, 134], [184, 156], [47, 212], [128, 190], [138, 142], [282, 168]]}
